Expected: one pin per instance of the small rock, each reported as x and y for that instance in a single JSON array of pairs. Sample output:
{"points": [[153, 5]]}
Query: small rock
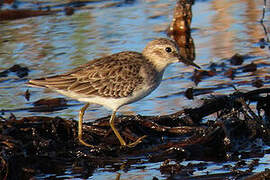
{"points": [[54, 102], [189, 93], [237, 59], [27, 95], [250, 67], [257, 83], [69, 11]]}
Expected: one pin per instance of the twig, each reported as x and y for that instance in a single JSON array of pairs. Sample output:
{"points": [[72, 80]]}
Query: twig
{"points": [[264, 7]]}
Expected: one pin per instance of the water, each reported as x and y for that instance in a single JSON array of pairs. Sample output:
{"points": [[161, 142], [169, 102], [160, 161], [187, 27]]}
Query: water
{"points": [[56, 43]]}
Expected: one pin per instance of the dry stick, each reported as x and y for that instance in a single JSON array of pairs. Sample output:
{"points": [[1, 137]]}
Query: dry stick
{"points": [[173, 130], [265, 32], [264, 7], [247, 116], [262, 23], [221, 102], [247, 108]]}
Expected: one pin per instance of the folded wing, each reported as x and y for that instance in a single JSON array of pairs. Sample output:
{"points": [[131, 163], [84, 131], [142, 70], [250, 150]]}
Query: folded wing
{"points": [[112, 76]]}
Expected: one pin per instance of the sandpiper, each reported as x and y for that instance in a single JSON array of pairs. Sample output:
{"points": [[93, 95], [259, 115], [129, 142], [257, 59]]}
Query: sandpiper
{"points": [[116, 80]]}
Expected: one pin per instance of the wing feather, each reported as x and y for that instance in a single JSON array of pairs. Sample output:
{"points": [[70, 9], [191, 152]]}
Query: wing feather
{"points": [[112, 76]]}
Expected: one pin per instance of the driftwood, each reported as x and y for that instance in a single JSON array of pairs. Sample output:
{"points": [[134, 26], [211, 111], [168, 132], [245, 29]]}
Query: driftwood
{"points": [[43, 10], [29, 144], [23, 13], [180, 29]]}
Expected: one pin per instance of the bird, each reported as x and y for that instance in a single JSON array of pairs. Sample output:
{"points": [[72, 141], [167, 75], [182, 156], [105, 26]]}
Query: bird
{"points": [[116, 80]]}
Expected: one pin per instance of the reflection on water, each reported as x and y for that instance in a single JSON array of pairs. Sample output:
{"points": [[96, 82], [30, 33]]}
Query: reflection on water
{"points": [[231, 27], [56, 43]]}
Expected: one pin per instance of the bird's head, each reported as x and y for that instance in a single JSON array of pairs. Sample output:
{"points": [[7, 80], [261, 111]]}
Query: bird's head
{"points": [[163, 52]]}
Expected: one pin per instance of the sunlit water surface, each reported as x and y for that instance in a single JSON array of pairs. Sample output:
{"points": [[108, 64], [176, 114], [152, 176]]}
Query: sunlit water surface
{"points": [[54, 44]]}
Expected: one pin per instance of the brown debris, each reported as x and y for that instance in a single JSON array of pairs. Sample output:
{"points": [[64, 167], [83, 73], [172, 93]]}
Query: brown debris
{"points": [[257, 82], [198, 75], [12, 14], [189, 93], [237, 59], [259, 176], [8, 1], [263, 43], [47, 105], [29, 143], [180, 30], [18, 69], [69, 11], [27, 95], [69, 8], [175, 168], [250, 67]]}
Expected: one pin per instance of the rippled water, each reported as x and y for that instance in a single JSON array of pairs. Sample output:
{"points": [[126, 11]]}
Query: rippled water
{"points": [[56, 43]]}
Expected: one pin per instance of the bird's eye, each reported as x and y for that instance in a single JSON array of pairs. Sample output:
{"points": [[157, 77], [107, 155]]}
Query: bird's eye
{"points": [[168, 49]]}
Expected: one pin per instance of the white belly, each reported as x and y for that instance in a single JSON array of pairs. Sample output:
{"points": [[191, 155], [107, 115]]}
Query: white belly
{"points": [[109, 102]]}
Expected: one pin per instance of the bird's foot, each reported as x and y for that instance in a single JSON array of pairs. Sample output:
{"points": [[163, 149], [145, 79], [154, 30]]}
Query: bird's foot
{"points": [[86, 144], [135, 143]]}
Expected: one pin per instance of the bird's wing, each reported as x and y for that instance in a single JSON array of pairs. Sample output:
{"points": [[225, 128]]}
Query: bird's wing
{"points": [[112, 76]]}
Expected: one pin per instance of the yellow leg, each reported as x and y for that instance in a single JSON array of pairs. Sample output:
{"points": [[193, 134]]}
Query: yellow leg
{"points": [[80, 123], [122, 142]]}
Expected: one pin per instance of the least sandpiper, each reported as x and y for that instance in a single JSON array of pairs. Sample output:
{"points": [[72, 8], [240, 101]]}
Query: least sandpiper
{"points": [[116, 80]]}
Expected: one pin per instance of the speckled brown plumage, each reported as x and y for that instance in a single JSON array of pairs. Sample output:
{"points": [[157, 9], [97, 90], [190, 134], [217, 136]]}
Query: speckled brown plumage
{"points": [[112, 76], [116, 80]]}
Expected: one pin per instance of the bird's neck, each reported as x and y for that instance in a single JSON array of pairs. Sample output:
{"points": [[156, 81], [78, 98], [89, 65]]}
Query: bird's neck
{"points": [[160, 66]]}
